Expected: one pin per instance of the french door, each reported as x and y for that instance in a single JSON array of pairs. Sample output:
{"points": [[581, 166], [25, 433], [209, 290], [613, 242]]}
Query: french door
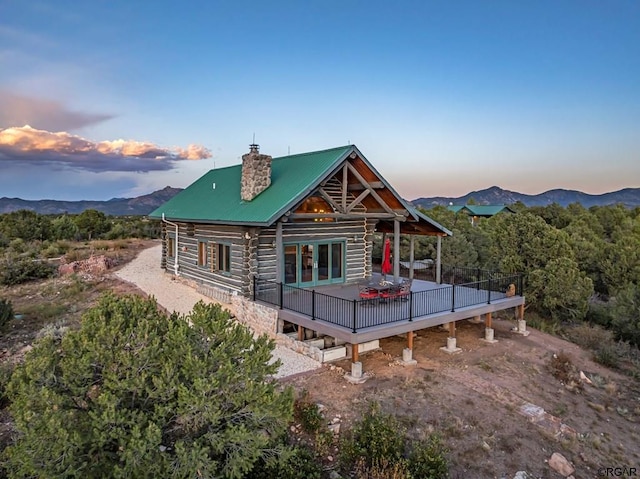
{"points": [[314, 263]]}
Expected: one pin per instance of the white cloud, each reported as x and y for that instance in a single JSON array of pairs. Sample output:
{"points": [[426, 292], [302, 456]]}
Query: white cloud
{"points": [[39, 147]]}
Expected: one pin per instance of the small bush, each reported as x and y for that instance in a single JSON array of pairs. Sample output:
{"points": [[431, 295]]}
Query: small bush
{"points": [[77, 255], [382, 469], [6, 369], [427, 459], [301, 463], [600, 314], [307, 413], [589, 337], [6, 312], [607, 355], [561, 367], [101, 245], [375, 437], [22, 270]]}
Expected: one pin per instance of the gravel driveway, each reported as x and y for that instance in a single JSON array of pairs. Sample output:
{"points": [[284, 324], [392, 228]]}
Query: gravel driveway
{"points": [[145, 272]]}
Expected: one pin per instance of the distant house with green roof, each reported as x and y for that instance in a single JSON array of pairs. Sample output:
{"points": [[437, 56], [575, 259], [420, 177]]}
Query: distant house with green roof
{"points": [[304, 220], [480, 211]]}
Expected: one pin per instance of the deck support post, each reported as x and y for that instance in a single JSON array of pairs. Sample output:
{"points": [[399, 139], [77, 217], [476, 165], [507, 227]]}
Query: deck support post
{"points": [[300, 333], [488, 330], [407, 353], [355, 376], [451, 346], [521, 324]]}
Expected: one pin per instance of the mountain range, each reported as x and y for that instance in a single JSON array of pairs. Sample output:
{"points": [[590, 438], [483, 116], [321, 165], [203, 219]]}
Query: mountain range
{"points": [[629, 197], [143, 205]]}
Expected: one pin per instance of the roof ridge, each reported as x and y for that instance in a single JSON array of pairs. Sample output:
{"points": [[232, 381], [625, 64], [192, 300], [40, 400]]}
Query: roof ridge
{"points": [[306, 153]]}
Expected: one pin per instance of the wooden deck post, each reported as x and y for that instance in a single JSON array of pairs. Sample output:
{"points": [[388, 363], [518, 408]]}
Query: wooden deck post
{"points": [[300, 333], [439, 261], [411, 255], [521, 311], [354, 353], [452, 329], [279, 253], [487, 320], [410, 340], [396, 251]]}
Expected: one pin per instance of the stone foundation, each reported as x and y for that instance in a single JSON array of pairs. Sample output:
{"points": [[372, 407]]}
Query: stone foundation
{"points": [[299, 346]]}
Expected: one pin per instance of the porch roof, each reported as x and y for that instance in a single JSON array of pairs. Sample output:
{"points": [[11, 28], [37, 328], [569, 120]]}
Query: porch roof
{"points": [[422, 225]]}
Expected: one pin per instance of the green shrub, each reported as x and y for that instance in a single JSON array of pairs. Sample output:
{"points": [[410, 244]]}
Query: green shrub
{"points": [[301, 463], [18, 271], [589, 337], [137, 393], [6, 369], [427, 459], [382, 469], [307, 413], [6, 312], [607, 355], [600, 314], [377, 436]]}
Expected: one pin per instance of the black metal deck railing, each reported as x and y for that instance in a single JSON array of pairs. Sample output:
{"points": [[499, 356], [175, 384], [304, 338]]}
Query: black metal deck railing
{"points": [[358, 314]]}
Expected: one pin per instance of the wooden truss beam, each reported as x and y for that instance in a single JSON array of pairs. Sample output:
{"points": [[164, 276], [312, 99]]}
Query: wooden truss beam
{"points": [[368, 187]]}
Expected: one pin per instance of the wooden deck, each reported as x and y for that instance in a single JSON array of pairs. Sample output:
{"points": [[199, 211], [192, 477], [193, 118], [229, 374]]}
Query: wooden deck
{"points": [[337, 311]]}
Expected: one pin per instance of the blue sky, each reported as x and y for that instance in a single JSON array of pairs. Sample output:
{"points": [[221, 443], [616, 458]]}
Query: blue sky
{"points": [[442, 97]]}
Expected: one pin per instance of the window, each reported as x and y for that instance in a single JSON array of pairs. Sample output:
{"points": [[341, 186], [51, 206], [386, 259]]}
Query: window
{"points": [[171, 247], [202, 253], [315, 206], [222, 258]]}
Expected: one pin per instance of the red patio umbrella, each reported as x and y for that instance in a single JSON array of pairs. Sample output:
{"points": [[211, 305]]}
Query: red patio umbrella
{"points": [[386, 258]]}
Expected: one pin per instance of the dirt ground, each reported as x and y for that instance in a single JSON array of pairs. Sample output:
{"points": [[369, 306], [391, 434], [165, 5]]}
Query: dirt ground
{"points": [[482, 401]]}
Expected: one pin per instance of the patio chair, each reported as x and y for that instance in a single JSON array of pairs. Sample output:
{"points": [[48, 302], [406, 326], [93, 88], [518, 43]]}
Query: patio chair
{"points": [[404, 290], [367, 294], [390, 293]]}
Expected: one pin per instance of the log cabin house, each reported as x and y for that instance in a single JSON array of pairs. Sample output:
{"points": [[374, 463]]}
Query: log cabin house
{"points": [[280, 231]]}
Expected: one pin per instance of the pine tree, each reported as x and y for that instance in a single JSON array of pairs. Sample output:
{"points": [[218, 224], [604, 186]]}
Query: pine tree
{"points": [[137, 393]]}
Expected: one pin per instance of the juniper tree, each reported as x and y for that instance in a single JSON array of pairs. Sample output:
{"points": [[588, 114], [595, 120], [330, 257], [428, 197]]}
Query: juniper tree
{"points": [[137, 393]]}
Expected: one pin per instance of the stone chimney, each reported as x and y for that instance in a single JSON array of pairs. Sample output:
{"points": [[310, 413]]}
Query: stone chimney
{"points": [[256, 173]]}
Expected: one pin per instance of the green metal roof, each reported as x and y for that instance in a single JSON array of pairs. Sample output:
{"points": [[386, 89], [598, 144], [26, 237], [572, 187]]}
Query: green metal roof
{"points": [[482, 210], [215, 197]]}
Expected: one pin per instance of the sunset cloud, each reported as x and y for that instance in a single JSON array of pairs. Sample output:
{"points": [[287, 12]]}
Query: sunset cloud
{"points": [[20, 145]]}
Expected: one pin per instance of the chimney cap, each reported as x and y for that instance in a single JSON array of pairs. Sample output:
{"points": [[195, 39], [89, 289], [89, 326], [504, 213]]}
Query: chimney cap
{"points": [[253, 148]]}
